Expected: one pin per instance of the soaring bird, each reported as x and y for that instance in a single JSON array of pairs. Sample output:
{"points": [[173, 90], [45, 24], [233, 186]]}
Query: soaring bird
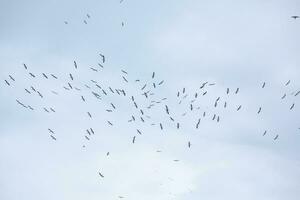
{"points": [[153, 74], [7, 82], [288, 82], [103, 58], [11, 78], [101, 175], [265, 133], [161, 126], [53, 76], [161, 82], [264, 84], [45, 75], [189, 144], [292, 106], [133, 139], [25, 66], [237, 90], [89, 114], [75, 64], [259, 110], [240, 106], [31, 74], [294, 16], [197, 125], [54, 138], [276, 137]]}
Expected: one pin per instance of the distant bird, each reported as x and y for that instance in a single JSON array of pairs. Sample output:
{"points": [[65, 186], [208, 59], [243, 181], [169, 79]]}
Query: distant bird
{"points": [[11, 78], [161, 82], [53, 76], [293, 105], [177, 125], [264, 84], [189, 144], [288, 82], [237, 90], [65, 22], [122, 23], [240, 106], [283, 96], [153, 74], [71, 76], [31, 74], [198, 123], [89, 114], [40, 94], [259, 110], [88, 15], [227, 91], [297, 93], [295, 17], [27, 91], [7, 82], [101, 175], [85, 21], [109, 123], [45, 75], [54, 138], [264, 133], [125, 79], [100, 65], [75, 64], [133, 139], [25, 66], [276, 137], [103, 58]]}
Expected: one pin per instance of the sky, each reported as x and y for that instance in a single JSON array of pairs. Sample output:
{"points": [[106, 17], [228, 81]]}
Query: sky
{"points": [[233, 44]]}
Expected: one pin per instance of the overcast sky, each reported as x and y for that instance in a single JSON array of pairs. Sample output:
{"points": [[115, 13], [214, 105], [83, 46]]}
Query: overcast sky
{"points": [[234, 44]]}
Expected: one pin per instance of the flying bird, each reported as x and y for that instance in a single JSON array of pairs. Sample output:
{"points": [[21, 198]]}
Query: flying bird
{"points": [[265, 133], [101, 175], [7, 82], [54, 138], [11, 78], [259, 110], [103, 58], [295, 17]]}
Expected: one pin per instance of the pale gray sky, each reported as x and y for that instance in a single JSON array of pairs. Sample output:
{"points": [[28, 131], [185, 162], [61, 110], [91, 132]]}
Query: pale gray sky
{"points": [[228, 42]]}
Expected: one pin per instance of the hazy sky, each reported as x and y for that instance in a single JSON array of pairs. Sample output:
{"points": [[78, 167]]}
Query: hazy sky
{"points": [[228, 42]]}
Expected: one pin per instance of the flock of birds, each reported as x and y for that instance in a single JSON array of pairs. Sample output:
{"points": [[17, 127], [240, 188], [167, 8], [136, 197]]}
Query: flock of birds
{"points": [[144, 103], [146, 92]]}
